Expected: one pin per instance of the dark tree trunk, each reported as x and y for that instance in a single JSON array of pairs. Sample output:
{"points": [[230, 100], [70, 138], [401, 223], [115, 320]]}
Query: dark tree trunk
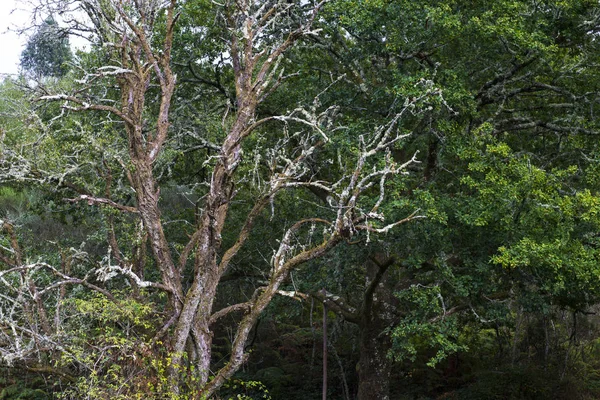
{"points": [[379, 310], [377, 313], [374, 365]]}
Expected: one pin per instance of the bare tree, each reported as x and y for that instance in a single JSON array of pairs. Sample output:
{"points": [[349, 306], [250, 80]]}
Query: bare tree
{"points": [[140, 35]]}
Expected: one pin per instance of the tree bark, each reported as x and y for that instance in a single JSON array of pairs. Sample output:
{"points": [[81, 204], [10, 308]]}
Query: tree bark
{"points": [[374, 365]]}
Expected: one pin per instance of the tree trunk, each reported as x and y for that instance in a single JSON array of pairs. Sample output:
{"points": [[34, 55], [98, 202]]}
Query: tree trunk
{"points": [[379, 301], [374, 365]]}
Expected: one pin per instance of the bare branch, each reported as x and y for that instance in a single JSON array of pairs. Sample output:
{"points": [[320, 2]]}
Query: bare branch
{"points": [[228, 310], [98, 200], [86, 106]]}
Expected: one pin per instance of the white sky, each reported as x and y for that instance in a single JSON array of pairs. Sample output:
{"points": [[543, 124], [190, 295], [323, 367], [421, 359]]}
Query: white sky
{"points": [[10, 43], [14, 15]]}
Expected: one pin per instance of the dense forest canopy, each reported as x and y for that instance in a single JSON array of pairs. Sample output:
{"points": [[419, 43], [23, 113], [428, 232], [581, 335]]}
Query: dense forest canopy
{"points": [[184, 202]]}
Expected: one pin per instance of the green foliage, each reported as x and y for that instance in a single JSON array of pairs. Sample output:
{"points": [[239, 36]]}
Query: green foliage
{"points": [[418, 332], [504, 122], [47, 51], [245, 390], [23, 390]]}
